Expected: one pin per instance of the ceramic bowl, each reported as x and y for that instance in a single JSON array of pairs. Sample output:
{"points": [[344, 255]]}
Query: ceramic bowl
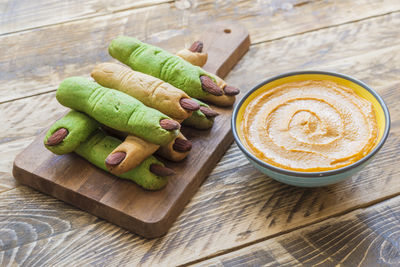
{"points": [[313, 179]]}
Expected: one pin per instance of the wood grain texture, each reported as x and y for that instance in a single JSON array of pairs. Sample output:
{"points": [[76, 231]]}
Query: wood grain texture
{"points": [[10, 150], [236, 205], [365, 237], [164, 25], [225, 55], [19, 15], [150, 214]]}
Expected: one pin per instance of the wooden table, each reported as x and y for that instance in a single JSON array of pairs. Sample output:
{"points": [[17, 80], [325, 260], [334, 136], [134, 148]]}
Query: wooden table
{"points": [[239, 216]]}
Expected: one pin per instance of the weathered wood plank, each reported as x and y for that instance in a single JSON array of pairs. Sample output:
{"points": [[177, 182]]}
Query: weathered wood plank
{"points": [[20, 118], [10, 150], [35, 63], [365, 237], [25, 14], [31, 222], [339, 45]]}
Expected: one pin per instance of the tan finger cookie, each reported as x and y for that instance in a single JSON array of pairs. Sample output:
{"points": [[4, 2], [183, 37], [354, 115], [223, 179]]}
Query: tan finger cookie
{"points": [[129, 154], [194, 54], [151, 91], [176, 150]]}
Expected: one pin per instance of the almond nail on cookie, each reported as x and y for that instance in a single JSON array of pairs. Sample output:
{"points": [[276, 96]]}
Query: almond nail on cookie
{"points": [[208, 112], [194, 55], [177, 150], [203, 118], [196, 47], [66, 134], [57, 137]]}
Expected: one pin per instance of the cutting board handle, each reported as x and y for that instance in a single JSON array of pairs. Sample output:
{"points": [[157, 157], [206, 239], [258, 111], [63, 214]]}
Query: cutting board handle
{"points": [[226, 43]]}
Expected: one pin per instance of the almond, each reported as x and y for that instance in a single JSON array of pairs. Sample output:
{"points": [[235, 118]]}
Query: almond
{"points": [[57, 137], [230, 90], [196, 47], [115, 158], [160, 170], [169, 125], [189, 104], [210, 86], [182, 145], [208, 112]]}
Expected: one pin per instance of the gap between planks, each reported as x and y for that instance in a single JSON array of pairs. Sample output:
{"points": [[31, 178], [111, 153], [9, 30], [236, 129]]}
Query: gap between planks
{"points": [[251, 45], [27, 96], [143, 6], [342, 213], [325, 27]]}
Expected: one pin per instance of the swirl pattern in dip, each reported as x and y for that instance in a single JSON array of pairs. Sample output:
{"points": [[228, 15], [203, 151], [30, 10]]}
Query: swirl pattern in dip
{"points": [[309, 126]]}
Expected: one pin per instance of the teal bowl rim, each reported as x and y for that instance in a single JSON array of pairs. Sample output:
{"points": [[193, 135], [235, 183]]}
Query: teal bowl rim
{"points": [[311, 174]]}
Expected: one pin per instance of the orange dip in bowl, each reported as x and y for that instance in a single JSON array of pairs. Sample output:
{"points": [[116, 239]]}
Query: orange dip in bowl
{"points": [[310, 126]]}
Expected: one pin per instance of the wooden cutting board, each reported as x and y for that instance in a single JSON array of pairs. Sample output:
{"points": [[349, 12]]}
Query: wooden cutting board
{"points": [[150, 214]]}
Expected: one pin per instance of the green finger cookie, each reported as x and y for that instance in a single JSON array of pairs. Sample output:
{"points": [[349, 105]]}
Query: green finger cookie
{"points": [[198, 120], [79, 127], [114, 109], [99, 145], [159, 63]]}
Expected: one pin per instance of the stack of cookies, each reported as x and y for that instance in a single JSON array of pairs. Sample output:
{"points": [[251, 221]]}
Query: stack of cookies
{"points": [[128, 113]]}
